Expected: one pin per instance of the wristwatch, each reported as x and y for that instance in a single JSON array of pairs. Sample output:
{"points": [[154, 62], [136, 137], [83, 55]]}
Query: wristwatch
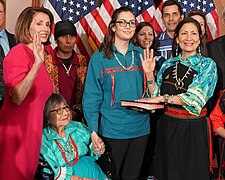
{"points": [[166, 98]]}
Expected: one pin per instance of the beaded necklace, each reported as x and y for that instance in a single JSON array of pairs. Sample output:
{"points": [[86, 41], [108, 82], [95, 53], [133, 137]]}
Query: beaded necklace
{"points": [[67, 70], [74, 150], [125, 68], [179, 84]]}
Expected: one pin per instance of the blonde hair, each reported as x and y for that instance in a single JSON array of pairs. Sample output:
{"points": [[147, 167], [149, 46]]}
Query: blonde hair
{"points": [[24, 21]]}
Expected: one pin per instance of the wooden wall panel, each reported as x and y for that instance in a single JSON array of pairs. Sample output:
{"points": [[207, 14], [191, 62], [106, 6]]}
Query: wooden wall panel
{"points": [[36, 3]]}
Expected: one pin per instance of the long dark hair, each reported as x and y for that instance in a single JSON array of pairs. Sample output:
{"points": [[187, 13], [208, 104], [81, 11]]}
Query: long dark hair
{"points": [[109, 39], [139, 27], [205, 37], [200, 13], [177, 30]]}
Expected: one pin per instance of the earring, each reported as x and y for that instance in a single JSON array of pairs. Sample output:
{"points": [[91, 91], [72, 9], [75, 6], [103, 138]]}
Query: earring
{"points": [[199, 50], [176, 50]]}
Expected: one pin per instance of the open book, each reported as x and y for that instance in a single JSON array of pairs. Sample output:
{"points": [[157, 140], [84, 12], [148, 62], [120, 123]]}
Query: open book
{"points": [[142, 105]]}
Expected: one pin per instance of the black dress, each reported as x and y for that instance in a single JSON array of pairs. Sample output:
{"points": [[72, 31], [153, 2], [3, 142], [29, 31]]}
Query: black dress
{"points": [[182, 148]]}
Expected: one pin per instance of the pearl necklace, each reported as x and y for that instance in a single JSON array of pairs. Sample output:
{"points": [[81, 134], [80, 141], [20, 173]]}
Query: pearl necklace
{"points": [[179, 84], [67, 70], [125, 68]]}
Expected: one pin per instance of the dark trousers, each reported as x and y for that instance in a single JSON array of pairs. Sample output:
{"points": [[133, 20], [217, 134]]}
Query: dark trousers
{"points": [[127, 156], [148, 162], [1, 102]]}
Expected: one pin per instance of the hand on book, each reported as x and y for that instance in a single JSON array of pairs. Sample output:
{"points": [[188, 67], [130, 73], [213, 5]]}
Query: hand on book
{"points": [[144, 103]]}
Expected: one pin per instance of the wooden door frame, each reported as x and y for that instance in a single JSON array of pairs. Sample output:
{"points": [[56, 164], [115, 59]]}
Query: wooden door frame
{"points": [[36, 3]]}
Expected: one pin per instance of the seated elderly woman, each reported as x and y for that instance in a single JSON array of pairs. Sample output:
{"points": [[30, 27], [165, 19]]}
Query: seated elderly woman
{"points": [[66, 144]]}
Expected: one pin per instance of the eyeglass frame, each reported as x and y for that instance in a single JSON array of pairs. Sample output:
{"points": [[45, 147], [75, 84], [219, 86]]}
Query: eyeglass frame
{"points": [[60, 111], [125, 23]]}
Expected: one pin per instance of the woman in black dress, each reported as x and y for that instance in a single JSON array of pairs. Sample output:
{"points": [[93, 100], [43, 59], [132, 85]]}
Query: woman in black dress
{"points": [[184, 84]]}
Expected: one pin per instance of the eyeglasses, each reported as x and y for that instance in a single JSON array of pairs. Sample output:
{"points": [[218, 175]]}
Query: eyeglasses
{"points": [[61, 110], [123, 23]]}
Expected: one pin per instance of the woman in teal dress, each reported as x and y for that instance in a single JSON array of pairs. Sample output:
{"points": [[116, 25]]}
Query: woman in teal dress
{"points": [[184, 84], [66, 144]]}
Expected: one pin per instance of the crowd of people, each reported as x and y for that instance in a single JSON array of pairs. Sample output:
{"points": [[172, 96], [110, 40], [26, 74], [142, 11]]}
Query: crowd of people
{"points": [[57, 104]]}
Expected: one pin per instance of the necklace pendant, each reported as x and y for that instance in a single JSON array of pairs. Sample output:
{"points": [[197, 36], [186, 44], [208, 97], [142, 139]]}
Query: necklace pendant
{"points": [[67, 70], [68, 73], [179, 84]]}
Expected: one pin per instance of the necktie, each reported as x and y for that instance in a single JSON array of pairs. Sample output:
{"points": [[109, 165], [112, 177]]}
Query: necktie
{"points": [[2, 84]]}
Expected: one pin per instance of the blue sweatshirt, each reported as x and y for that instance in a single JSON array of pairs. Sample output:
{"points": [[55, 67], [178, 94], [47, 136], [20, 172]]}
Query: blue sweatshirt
{"points": [[107, 83]]}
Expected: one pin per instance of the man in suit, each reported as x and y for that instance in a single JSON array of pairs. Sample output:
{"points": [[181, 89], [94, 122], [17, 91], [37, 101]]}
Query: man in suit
{"points": [[216, 51], [7, 41]]}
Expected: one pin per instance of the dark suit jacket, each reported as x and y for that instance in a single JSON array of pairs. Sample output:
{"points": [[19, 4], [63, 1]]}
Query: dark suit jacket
{"points": [[11, 39], [216, 51], [12, 42]]}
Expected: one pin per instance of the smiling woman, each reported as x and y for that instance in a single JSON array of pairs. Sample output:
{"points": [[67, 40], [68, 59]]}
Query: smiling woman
{"points": [[184, 84], [188, 40], [27, 88], [115, 74]]}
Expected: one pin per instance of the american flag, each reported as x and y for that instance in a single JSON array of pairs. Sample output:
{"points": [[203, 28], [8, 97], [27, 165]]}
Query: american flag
{"points": [[206, 6], [144, 10], [91, 21]]}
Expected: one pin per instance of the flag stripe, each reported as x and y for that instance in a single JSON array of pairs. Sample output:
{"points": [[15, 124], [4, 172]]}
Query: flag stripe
{"points": [[212, 23], [93, 29], [82, 42], [146, 15], [100, 23], [105, 15], [93, 22]]}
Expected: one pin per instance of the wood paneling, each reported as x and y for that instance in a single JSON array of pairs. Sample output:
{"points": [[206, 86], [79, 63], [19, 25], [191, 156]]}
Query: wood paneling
{"points": [[36, 3]]}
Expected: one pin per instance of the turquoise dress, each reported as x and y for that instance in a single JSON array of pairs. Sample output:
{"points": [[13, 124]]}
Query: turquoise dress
{"points": [[85, 166]]}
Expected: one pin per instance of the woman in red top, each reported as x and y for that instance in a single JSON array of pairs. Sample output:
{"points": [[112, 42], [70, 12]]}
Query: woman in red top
{"points": [[217, 117], [28, 86]]}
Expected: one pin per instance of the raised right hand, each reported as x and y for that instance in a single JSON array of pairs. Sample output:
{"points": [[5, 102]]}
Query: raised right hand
{"points": [[148, 61], [38, 49]]}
